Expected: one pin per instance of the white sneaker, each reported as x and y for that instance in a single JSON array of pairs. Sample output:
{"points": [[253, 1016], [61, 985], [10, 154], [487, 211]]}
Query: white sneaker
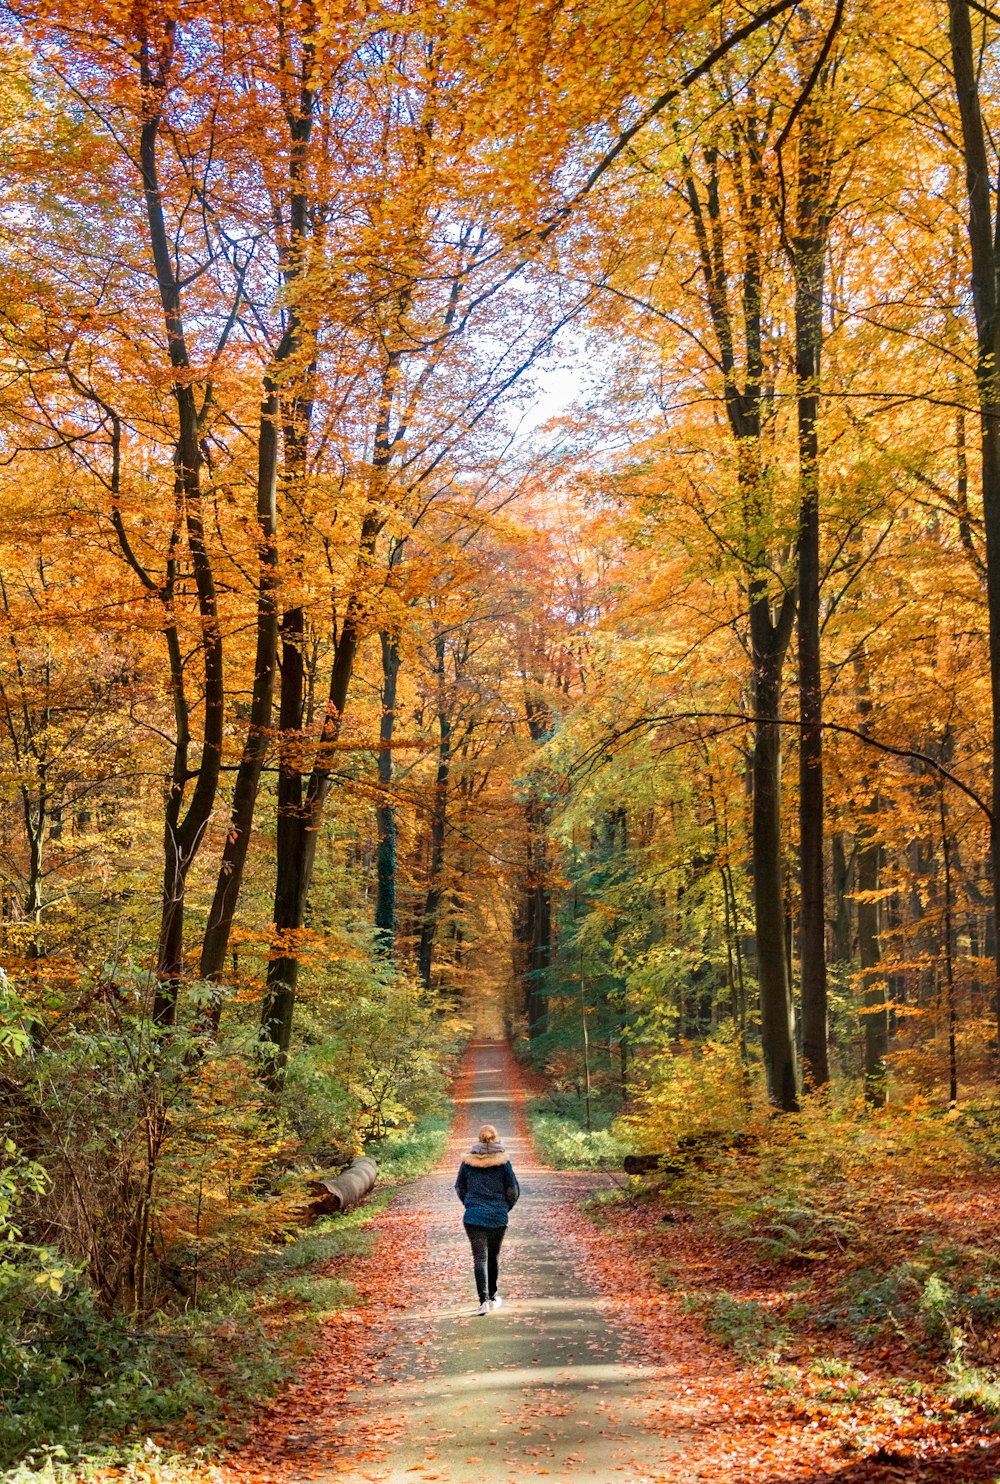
{"points": [[496, 1301], [484, 1307]]}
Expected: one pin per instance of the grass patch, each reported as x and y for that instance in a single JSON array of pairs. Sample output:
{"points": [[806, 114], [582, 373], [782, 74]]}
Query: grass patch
{"points": [[831, 1368]]}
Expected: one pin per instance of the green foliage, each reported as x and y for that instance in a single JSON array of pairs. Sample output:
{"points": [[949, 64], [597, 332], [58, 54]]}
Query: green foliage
{"points": [[937, 1305], [793, 1226], [320, 1296], [14, 1035], [743, 1325], [404, 1154], [164, 1162], [979, 1123], [19, 1177], [939, 1301], [975, 1388], [154, 1146], [647, 947], [376, 1055], [831, 1368], [72, 1377], [565, 1145]]}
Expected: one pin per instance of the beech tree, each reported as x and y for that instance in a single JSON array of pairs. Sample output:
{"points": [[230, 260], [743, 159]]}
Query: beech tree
{"points": [[985, 287]]}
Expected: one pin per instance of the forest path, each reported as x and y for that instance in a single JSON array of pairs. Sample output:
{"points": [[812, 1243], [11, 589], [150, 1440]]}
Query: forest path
{"points": [[543, 1386], [415, 1385]]}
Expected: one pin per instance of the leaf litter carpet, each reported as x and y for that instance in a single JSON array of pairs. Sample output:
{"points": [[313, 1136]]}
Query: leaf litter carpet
{"points": [[589, 1371]]}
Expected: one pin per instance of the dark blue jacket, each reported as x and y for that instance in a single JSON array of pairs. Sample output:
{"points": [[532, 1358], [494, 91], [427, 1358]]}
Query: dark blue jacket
{"points": [[487, 1188]]}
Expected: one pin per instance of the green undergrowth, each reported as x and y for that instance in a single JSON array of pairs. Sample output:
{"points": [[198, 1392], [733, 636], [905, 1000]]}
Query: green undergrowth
{"points": [[81, 1391], [842, 1237], [743, 1325], [409, 1153], [564, 1142]]}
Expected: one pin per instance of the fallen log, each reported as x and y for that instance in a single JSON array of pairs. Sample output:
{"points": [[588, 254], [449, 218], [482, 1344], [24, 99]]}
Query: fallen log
{"points": [[642, 1164], [707, 1140], [343, 1191], [692, 1149]]}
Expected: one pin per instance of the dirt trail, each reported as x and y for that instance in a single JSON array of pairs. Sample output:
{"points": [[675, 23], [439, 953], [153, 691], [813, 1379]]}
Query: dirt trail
{"points": [[419, 1386], [545, 1385]]}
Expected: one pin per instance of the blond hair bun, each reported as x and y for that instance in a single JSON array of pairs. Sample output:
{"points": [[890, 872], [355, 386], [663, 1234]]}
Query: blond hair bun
{"points": [[488, 1134]]}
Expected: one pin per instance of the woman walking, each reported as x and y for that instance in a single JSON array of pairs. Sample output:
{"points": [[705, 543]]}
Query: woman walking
{"points": [[488, 1189]]}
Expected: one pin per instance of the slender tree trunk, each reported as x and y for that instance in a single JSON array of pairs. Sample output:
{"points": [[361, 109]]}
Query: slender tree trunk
{"points": [[876, 1019], [276, 1014], [842, 935], [740, 1007], [35, 820], [439, 815], [948, 937], [769, 637], [541, 941], [868, 869], [234, 854], [300, 817], [533, 925], [777, 1027], [182, 835], [809, 258], [385, 814], [257, 740], [521, 935], [986, 302]]}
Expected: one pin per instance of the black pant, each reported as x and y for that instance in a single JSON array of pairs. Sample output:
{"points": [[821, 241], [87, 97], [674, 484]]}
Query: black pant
{"points": [[486, 1243]]}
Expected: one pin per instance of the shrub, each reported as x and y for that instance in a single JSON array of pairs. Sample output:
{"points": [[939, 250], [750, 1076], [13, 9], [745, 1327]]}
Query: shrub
{"points": [[564, 1145], [979, 1390], [376, 1060], [693, 1091], [917, 1302]]}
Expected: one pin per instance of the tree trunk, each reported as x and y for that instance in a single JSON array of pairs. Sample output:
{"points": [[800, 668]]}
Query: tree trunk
{"points": [[876, 1020], [234, 854], [300, 810], [538, 899], [279, 1001], [842, 865], [986, 302], [777, 1027], [809, 258], [439, 815], [35, 821], [385, 814], [769, 637], [230, 879], [948, 943], [182, 837], [867, 875]]}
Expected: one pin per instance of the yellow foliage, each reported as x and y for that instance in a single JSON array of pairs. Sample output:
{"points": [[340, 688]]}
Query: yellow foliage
{"points": [[690, 1091]]}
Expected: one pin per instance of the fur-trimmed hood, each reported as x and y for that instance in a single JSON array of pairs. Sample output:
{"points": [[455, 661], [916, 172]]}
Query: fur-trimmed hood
{"points": [[485, 1156]]}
